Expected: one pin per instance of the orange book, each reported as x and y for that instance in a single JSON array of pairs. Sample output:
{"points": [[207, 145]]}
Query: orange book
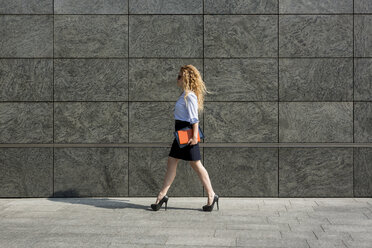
{"points": [[184, 135]]}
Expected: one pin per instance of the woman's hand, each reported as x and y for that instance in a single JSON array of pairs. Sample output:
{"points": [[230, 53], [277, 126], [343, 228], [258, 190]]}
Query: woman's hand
{"points": [[193, 141]]}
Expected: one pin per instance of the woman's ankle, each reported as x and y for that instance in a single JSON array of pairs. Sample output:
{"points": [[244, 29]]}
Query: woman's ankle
{"points": [[161, 194], [211, 194]]}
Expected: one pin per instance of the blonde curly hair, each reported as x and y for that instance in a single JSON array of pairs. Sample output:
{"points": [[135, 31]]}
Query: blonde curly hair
{"points": [[192, 81]]}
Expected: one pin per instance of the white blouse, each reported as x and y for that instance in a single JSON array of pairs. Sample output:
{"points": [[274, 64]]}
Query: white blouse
{"points": [[187, 112]]}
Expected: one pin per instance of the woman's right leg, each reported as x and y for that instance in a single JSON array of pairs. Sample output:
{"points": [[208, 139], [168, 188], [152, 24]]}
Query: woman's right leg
{"points": [[204, 177], [169, 177]]}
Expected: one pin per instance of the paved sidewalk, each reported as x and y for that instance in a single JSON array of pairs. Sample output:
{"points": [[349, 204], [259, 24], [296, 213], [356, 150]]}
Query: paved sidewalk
{"points": [[240, 222]]}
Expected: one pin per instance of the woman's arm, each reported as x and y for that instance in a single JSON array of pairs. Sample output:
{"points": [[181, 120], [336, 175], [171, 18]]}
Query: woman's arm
{"points": [[195, 130], [192, 109]]}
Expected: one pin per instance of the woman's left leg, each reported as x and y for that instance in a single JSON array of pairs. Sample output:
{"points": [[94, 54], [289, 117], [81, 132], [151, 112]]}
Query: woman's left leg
{"points": [[204, 177]]}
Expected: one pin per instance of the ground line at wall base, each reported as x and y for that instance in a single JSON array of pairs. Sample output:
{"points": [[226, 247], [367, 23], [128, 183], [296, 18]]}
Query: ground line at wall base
{"points": [[223, 145]]}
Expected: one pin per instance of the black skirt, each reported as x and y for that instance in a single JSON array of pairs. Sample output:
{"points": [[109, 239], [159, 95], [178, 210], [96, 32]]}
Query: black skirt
{"points": [[189, 152]]}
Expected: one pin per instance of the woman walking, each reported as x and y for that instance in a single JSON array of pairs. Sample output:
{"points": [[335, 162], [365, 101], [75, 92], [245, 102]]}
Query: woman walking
{"points": [[186, 115]]}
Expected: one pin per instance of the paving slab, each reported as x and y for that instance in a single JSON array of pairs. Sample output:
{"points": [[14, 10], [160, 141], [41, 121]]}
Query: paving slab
{"points": [[272, 242], [326, 243], [358, 244], [332, 235]]}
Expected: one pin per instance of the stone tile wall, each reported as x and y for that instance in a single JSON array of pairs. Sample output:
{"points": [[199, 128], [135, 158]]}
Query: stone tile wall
{"points": [[88, 90]]}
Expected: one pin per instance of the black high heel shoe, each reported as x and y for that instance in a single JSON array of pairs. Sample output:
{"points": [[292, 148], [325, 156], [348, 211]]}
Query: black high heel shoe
{"points": [[209, 208], [156, 207]]}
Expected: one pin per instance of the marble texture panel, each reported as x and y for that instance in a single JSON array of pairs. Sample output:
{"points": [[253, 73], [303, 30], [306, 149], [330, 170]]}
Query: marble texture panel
{"points": [[91, 7], [241, 122], [240, 36], [26, 172], [363, 35], [90, 122], [362, 79], [26, 7], [26, 79], [242, 79], [240, 7], [91, 172], [26, 36], [363, 122], [362, 172], [362, 6], [166, 7], [315, 172], [166, 36], [91, 79], [316, 35], [316, 6], [316, 79], [22, 122], [315, 122], [90, 36]]}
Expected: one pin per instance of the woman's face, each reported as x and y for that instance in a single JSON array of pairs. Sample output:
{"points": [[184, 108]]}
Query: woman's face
{"points": [[179, 80]]}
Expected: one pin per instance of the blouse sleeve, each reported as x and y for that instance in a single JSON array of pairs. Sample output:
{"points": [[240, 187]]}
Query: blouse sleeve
{"points": [[192, 108]]}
